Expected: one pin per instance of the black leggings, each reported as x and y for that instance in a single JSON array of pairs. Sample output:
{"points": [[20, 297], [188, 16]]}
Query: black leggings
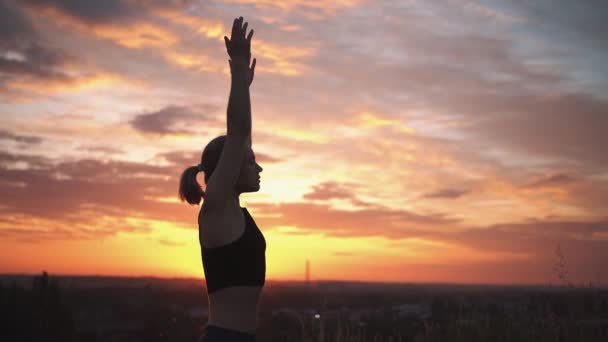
{"points": [[214, 333]]}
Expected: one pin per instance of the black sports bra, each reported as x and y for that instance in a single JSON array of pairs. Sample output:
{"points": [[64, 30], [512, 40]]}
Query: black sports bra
{"points": [[240, 262]]}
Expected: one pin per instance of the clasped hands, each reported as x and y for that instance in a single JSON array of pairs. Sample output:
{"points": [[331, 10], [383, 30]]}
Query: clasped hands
{"points": [[239, 48]]}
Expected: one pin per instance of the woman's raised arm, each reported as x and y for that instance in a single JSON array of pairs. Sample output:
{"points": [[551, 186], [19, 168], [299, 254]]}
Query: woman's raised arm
{"points": [[220, 187], [239, 103]]}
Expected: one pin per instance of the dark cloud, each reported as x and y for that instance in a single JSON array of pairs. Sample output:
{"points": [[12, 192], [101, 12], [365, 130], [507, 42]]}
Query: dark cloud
{"points": [[529, 236], [584, 243], [371, 221], [58, 190], [330, 190], [578, 22], [502, 94], [174, 119], [41, 188], [107, 11], [23, 53], [498, 114], [102, 149], [182, 158], [531, 243], [14, 26], [551, 180], [19, 138], [570, 126], [90, 11], [447, 193]]}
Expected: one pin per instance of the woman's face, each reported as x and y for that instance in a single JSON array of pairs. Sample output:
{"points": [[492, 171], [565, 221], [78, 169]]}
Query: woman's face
{"points": [[249, 178]]}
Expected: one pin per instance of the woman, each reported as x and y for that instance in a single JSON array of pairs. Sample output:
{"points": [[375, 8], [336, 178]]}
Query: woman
{"points": [[232, 247]]}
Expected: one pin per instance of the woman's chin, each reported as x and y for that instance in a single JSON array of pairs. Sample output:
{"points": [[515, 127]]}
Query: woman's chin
{"points": [[254, 188]]}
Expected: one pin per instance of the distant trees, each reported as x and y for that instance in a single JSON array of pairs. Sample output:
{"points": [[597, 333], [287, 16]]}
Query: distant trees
{"points": [[36, 314]]}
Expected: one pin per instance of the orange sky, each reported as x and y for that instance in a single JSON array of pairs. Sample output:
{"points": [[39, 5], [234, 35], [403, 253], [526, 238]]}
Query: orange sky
{"points": [[407, 141]]}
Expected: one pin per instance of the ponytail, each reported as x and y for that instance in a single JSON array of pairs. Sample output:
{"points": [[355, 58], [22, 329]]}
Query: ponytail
{"points": [[189, 189]]}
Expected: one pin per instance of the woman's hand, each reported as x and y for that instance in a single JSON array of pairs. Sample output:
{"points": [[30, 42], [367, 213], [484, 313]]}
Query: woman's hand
{"points": [[239, 47]]}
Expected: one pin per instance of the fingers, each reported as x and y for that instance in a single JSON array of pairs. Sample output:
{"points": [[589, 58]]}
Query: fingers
{"points": [[235, 27], [239, 42], [239, 29]]}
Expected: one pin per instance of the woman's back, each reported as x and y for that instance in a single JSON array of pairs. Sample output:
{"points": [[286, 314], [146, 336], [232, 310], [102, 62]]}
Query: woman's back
{"points": [[233, 252]]}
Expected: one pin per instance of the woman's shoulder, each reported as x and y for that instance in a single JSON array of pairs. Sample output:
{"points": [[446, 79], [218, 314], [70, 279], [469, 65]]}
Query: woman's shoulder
{"points": [[224, 213], [217, 227]]}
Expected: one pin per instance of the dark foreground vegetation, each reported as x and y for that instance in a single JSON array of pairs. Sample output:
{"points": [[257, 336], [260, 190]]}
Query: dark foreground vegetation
{"points": [[47, 308]]}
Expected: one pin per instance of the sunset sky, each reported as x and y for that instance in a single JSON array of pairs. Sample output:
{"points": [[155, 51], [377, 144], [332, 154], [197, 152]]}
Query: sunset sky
{"points": [[406, 141]]}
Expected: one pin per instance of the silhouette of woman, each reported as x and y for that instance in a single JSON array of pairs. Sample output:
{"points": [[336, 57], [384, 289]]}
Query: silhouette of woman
{"points": [[233, 248]]}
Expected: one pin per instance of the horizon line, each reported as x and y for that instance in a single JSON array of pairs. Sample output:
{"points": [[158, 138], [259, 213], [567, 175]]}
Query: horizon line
{"points": [[304, 281]]}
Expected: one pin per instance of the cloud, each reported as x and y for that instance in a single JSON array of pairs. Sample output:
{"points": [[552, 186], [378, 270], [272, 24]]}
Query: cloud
{"points": [[504, 245], [329, 190], [105, 150], [30, 89], [14, 26], [551, 180], [105, 188], [94, 199], [567, 126], [372, 221], [174, 119], [33, 66], [499, 97], [90, 12], [32, 229], [316, 9], [182, 158], [26, 139], [207, 27], [124, 22], [585, 244], [336, 191], [446, 193], [138, 35], [264, 158], [580, 23], [23, 53], [169, 243], [102, 189]]}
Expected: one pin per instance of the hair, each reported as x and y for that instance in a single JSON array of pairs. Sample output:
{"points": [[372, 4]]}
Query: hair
{"points": [[189, 189]]}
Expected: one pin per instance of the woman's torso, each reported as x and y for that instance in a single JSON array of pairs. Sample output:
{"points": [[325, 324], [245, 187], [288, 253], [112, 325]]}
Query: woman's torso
{"points": [[232, 307]]}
